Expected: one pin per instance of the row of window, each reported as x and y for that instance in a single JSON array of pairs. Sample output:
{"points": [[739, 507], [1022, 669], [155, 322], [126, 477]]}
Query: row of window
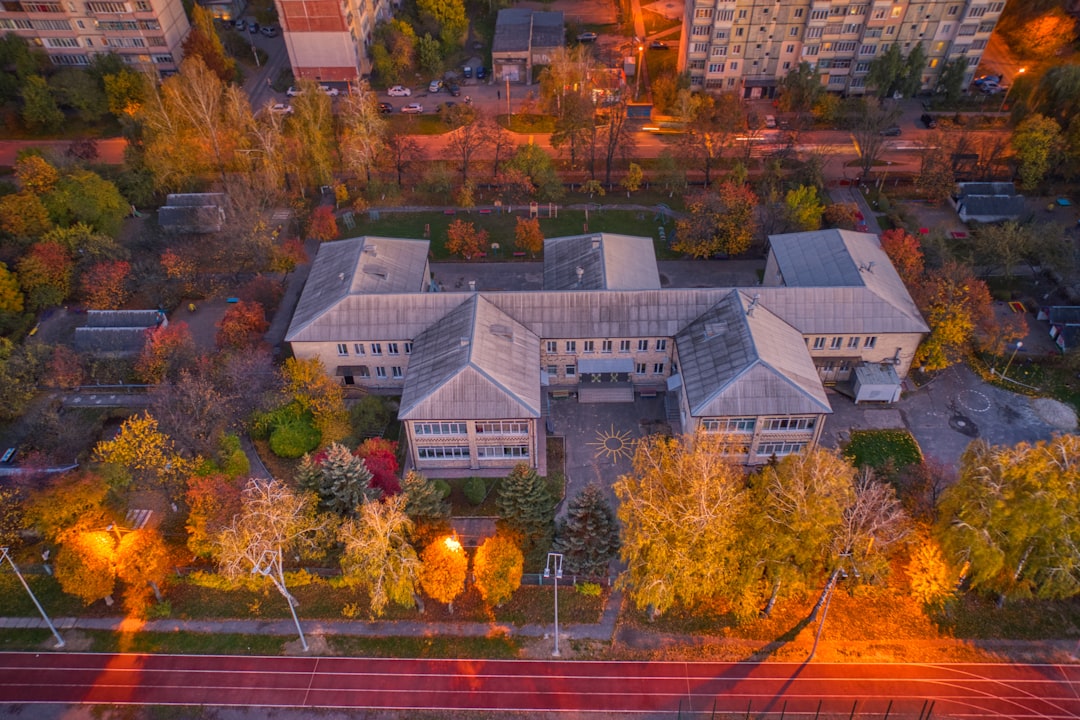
{"points": [[490, 427], [836, 343], [589, 346], [364, 372], [503, 451], [639, 369], [359, 349], [461, 452], [129, 59], [764, 449], [747, 424], [503, 427]]}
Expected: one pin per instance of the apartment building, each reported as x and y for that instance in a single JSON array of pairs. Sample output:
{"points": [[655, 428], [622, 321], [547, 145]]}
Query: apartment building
{"points": [[748, 46], [327, 40], [475, 368], [145, 33]]}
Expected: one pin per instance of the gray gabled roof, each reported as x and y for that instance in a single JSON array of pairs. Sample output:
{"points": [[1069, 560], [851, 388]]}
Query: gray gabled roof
{"points": [[475, 362], [739, 359], [518, 30], [366, 265], [986, 188], [991, 206], [601, 261], [836, 259]]}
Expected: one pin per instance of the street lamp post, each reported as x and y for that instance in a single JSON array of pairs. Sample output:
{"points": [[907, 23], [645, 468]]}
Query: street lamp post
{"points": [[554, 567], [5, 554], [637, 70], [1019, 344], [1019, 72]]}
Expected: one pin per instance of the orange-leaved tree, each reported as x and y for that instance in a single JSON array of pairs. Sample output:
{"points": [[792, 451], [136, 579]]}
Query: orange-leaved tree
{"points": [[905, 252], [104, 285], [443, 566], [527, 235], [498, 565], [167, 351], [323, 225], [242, 326], [462, 238]]}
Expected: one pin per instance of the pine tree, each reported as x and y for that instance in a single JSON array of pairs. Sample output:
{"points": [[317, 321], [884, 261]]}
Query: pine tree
{"points": [[339, 478], [526, 507], [424, 499], [589, 536]]}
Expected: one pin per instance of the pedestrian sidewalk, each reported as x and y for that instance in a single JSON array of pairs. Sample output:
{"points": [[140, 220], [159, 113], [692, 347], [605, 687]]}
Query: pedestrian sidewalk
{"points": [[604, 630]]}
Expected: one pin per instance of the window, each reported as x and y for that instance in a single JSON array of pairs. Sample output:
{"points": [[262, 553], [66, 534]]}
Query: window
{"points": [[819, 343], [503, 427], [742, 14], [721, 35], [380, 372], [552, 346], [780, 448], [788, 423], [879, 14], [862, 67], [443, 453], [392, 348], [571, 346], [142, 6], [739, 32], [605, 346], [396, 372], [734, 66], [729, 425], [163, 59], [624, 346], [437, 428], [342, 349], [639, 368], [590, 346], [836, 343], [503, 451], [837, 79], [814, 32], [798, 12], [868, 50], [819, 14], [725, 16], [719, 51], [896, 11], [100, 7], [790, 49], [976, 12], [851, 29], [787, 65], [658, 368], [408, 348], [853, 342], [643, 346], [847, 46], [364, 372], [661, 345], [954, 10], [966, 30], [571, 370], [997, 7], [62, 42], [703, 13], [376, 348], [699, 30], [699, 47], [553, 370], [870, 342]]}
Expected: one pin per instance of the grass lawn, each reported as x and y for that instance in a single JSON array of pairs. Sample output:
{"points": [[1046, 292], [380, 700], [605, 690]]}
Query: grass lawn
{"points": [[881, 448], [521, 123], [426, 123], [495, 647], [500, 228]]}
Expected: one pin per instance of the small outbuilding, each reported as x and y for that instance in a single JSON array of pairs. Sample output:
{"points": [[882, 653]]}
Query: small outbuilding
{"points": [[199, 213], [876, 382], [524, 39], [988, 202]]}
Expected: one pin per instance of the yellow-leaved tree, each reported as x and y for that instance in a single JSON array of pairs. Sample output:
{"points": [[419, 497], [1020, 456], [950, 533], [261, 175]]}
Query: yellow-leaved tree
{"points": [[307, 382], [377, 554], [498, 565], [142, 453], [443, 569]]}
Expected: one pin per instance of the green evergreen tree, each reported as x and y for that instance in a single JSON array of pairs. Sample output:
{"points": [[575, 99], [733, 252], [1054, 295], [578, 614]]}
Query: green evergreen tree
{"points": [[589, 536], [526, 507], [423, 498], [340, 479]]}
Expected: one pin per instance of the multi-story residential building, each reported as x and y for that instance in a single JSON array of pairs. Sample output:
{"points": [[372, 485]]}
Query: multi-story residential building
{"points": [[475, 368], [327, 41], [145, 33], [748, 46]]}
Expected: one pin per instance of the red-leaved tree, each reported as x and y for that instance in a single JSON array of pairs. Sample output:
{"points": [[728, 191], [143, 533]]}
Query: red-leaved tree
{"points": [[462, 238], [323, 226], [104, 285], [285, 257], [167, 351], [45, 274], [905, 251], [380, 457], [242, 326], [64, 370]]}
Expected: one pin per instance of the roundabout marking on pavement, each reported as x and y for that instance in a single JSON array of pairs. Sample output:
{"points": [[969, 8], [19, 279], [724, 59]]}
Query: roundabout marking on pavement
{"points": [[973, 400]]}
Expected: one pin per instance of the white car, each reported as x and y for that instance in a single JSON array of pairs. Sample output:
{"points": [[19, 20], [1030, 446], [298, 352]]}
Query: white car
{"points": [[332, 92], [294, 91], [413, 108], [281, 109], [770, 121], [399, 91]]}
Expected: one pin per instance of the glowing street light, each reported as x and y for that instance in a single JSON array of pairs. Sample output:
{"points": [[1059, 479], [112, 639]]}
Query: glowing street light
{"points": [[1019, 72], [554, 566]]}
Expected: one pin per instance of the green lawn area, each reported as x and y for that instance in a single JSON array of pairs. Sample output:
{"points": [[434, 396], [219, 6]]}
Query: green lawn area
{"points": [[523, 123], [883, 448], [500, 228]]}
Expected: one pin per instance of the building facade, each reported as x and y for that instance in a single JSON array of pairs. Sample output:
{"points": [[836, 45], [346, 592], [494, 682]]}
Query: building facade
{"points": [[476, 368], [748, 46], [145, 33], [326, 40]]}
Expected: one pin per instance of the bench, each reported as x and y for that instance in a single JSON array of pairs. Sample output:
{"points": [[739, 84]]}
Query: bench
{"points": [[481, 255], [8, 455], [232, 300], [519, 254], [485, 211], [449, 212]]}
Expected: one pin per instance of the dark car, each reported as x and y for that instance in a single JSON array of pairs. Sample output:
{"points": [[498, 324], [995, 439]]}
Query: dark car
{"points": [[253, 27], [455, 90], [929, 120], [481, 73], [385, 107], [467, 72], [659, 45], [891, 131]]}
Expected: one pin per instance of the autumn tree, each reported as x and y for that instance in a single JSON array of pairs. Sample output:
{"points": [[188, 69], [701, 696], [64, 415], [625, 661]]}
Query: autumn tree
{"points": [[720, 221], [528, 236], [85, 243], [212, 502], [69, 502], [23, 217], [681, 508], [906, 254], [242, 326], [803, 208], [340, 479], [471, 135], [203, 42], [800, 90], [844, 216], [192, 410], [11, 297], [462, 238], [1037, 143], [446, 18], [588, 537], [104, 285], [12, 517], [45, 274], [40, 111], [86, 565], [712, 122], [362, 132], [144, 453], [36, 175], [287, 256], [380, 458], [632, 180], [20, 369], [323, 225], [82, 196], [310, 131], [64, 369], [866, 117], [932, 578], [498, 566], [936, 178], [168, 350], [307, 382], [377, 555], [443, 567], [1011, 518], [143, 564]]}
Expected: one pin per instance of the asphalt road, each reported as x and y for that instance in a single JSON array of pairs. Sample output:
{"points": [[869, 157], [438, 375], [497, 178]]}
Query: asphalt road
{"points": [[641, 689]]}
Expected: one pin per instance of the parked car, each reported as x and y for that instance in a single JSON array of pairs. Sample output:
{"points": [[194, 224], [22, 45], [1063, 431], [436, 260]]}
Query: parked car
{"points": [[413, 108], [993, 89], [770, 121], [240, 25], [587, 37], [270, 31], [385, 107], [891, 131], [435, 86], [984, 79], [466, 72], [332, 92], [454, 89], [253, 27], [399, 91], [281, 109], [929, 120], [481, 73], [294, 91], [659, 45]]}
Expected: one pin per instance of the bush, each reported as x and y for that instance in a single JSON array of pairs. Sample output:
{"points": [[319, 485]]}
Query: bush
{"points": [[294, 439], [443, 487], [369, 416], [475, 490], [589, 589]]}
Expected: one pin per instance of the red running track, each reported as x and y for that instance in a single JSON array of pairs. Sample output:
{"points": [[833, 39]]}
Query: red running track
{"points": [[654, 688]]}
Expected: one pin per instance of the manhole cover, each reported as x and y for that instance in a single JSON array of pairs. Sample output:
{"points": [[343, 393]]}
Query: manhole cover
{"points": [[964, 426]]}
